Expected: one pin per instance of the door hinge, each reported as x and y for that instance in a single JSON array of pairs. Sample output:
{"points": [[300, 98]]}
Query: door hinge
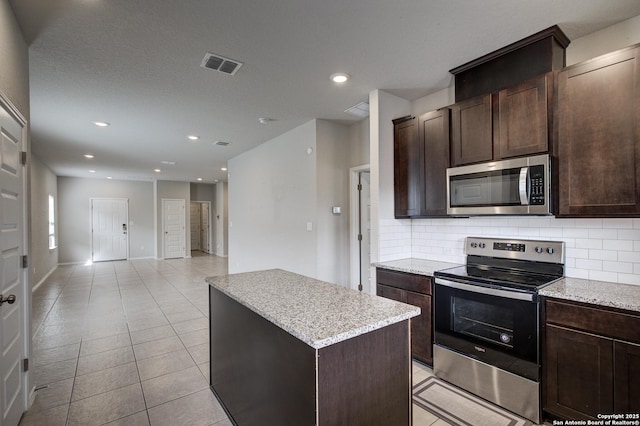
{"points": [[24, 261], [359, 237], [25, 364], [23, 158], [359, 187]]}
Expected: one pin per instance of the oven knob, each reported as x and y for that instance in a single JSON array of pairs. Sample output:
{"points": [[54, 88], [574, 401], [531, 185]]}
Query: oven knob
{"points": [[505, 338], [538, 249], [474, 245], [482, 245], [550, 250]]}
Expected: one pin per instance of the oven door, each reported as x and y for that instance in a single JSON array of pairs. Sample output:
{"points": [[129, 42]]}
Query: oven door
{"points": [[497, 327]]}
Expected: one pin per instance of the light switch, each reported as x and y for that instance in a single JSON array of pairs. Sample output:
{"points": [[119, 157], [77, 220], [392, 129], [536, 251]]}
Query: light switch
{"points": [[309, 226], [336, 210]]}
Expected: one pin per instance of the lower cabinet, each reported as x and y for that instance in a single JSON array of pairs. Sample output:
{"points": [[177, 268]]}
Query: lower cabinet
{"points": [[588, 369], [414, 290]]}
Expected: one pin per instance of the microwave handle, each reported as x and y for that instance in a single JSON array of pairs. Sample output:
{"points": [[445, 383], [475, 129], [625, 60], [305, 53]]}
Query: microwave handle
{"points": [[523, 186]]}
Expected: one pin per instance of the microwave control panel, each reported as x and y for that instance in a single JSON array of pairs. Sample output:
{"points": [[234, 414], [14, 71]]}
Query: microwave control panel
{"points": [[536, 174]]}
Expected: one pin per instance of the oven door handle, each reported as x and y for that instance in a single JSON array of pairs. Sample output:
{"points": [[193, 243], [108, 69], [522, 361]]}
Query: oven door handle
{"points": [[485, 290]]}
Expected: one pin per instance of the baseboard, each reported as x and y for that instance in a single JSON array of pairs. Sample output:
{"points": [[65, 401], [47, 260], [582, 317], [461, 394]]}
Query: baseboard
{"points": [[32, 396], [142, 258], [44, 278], [70, 263]]}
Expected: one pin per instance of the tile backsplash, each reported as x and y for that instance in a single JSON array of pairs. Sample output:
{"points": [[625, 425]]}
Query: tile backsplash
{"points": [[597, 249]]}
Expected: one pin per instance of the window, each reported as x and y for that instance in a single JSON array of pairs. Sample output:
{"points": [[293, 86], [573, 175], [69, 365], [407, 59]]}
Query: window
{"points": [[52, 223]]}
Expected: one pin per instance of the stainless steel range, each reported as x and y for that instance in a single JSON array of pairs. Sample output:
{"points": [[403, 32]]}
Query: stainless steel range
{"points": [[487, 320]]}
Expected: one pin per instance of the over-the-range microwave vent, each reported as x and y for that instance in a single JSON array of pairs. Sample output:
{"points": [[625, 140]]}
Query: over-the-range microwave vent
{"points": [[220, 63]]}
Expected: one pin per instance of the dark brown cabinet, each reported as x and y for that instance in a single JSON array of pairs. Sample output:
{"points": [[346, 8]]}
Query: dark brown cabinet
{"points": [[591, 361], [408, 168], [524, 114], [433, 134], [599, 138], [512, 122], [421, 158], [414, 290]]}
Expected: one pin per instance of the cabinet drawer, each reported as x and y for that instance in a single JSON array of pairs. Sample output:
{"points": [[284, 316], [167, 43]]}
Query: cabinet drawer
{"points": [[405, 281], [594, 320]]}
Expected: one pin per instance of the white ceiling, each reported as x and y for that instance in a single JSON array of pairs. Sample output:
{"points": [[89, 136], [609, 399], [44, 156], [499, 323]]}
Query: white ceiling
{"points": [[136, 65]]}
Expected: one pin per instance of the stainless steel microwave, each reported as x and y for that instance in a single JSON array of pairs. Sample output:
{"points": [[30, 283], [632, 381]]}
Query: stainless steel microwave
{"points": [[516, 186]]}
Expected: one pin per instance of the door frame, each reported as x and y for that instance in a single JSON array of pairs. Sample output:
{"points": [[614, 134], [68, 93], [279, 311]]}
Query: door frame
{"points": [[209, 224], [28, 390], [354, 213], [91, 221], [163, 203]]}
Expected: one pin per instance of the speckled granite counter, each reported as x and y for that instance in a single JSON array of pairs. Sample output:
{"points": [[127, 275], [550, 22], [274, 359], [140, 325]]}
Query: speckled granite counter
{"points": [[622, 296], [318, 313], [415, 266]]}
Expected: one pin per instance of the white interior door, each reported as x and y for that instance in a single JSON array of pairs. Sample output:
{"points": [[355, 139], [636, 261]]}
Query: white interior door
{"points": [[195, 226], [173, 219], [204, 228], [365, 230], [109, 229], [12, 280]]}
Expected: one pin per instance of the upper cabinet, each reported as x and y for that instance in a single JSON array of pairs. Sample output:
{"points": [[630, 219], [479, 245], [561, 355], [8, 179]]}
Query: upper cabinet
{"points": [[512, 122], [599, 137], [421, 157], [433, 133], [408, 168]]}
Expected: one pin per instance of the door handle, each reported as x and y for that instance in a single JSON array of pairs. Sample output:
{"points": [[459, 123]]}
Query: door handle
{"points": [[10, 299]]}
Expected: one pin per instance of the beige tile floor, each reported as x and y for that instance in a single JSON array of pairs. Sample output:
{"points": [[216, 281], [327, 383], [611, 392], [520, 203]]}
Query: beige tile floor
{"points": [[126, 343]]}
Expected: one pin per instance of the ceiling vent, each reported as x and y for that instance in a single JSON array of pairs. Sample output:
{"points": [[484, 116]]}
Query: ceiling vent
{"points": [[222, 143], [361, 110], [221, 64]]}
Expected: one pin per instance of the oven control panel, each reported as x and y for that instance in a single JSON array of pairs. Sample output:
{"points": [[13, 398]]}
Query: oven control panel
{"points": [[541, 251]]}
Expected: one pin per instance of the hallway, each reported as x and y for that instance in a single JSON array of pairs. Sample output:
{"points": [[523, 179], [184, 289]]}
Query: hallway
{"points": [[124, 342]]}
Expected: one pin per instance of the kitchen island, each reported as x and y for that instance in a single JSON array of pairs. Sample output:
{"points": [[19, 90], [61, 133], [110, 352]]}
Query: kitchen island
{"points": [[291, 350]]}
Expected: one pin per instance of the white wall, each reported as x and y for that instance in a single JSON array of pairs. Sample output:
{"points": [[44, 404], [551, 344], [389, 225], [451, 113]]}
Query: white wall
{"points": [[14, 66], [332, 183], [43, 183], [175, 191], [74, 233], [615, 37], [599, 249], [271, 200]]}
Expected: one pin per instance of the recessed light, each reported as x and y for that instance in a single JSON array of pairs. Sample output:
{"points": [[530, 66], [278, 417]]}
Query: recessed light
{"points": [[89, 156], [265, 120], [109, 177], [216, 180], [92, 171], [102, 123], [193, 137], [157, 170], [224, 169], [199, 179], [339, 77]]}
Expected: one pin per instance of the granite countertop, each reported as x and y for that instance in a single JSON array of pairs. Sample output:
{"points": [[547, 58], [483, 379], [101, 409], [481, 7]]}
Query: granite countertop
{"points": [[316, 312], [615, 295], [415, 266]]}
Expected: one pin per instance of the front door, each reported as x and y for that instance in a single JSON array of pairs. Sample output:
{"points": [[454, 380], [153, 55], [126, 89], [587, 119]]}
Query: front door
{"points": [[173, 219], [12, 276], [109, 233]]}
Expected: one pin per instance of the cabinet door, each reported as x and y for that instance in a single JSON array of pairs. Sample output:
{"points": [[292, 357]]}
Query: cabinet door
{"points": [[391, 293], [626, 377], [408, 170], [578, 373], [471, 135], [598, 137], [434, 135], [523, 118], [421, 335]]}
